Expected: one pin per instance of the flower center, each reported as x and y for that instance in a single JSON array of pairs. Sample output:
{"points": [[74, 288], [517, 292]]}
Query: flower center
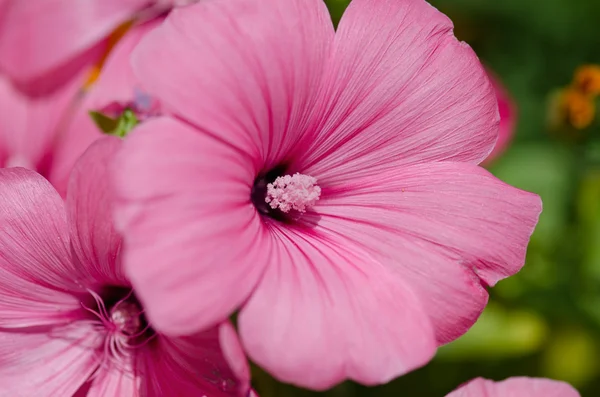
{"points": [[126, 316], [120, 317], [293, 192], [283, 196]]}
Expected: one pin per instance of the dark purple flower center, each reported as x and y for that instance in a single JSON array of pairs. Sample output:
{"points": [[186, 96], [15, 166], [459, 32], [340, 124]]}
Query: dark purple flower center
{"points": [[284, 197], [259, 192]]}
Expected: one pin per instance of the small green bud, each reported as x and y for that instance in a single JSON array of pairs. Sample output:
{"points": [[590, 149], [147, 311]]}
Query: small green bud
{"points": [[120, 126]]}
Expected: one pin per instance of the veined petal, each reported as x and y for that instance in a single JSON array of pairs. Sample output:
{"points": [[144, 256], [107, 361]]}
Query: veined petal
{"points": [[113, 380], [444, 226], [52, 363], [323, 300], [245, 71], [194, 244], [399, 89], [192, 366], [35, 263], [94, 241]]}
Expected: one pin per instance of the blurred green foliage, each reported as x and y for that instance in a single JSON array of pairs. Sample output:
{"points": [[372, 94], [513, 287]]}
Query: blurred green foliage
{"points": [[545, 321]]}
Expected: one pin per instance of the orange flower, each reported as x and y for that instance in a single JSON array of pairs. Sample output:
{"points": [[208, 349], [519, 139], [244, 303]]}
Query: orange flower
{"points": [[587, 79], [577, 108]]}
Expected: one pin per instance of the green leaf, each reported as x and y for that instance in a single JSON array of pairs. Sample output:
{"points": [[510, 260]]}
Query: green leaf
{"points": [[105, 123]]}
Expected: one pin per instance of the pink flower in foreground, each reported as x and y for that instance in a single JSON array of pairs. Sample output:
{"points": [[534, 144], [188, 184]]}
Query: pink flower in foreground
{"points": [[325, 183], [508, 118], [70, 323], [515, 387], [44, 42]]}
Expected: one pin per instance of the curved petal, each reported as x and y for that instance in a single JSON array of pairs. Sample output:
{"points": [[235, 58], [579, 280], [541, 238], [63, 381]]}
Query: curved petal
{"points": [[55, 363], [117, 82], [400, 89], [94, 240], [115, 85], [324, 300], [115, 381], [508, 118], [35, 263], [444, 226], [515, 387], [77, 134], [234, 355], [190, 366], [40, 39], [194, 244], [29, 126], [245, 71]]}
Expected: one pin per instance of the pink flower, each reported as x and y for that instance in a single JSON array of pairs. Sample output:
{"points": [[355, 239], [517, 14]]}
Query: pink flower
{"points": [[508, 118], [515, 387], [70, 323], [388, 117], [48, 133], [44, 42]]}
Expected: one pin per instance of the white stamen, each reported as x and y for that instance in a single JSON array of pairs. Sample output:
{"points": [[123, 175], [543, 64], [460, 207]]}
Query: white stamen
{"points": [[293, 192]]}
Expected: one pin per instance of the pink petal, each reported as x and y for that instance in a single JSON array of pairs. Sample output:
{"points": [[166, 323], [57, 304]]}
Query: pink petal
{"points": [[246, 71], [35, 263], [51, 39], [190, 366], [400, 89], [49, 364], [195, 245], [115, 381], [326, 310], [77, 134], [443, 226], [95, 242], [515, 387], [29, 127], [234, 355], [508, 118], [116, 82]]}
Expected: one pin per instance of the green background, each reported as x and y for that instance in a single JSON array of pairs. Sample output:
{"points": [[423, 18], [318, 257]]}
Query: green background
{"points": [[545, 321]]}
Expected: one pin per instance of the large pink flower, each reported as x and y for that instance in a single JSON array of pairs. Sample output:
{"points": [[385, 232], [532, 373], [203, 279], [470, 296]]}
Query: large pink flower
{"points": [[70, 323], [44, 42], [515, 387], [326, 183]]}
